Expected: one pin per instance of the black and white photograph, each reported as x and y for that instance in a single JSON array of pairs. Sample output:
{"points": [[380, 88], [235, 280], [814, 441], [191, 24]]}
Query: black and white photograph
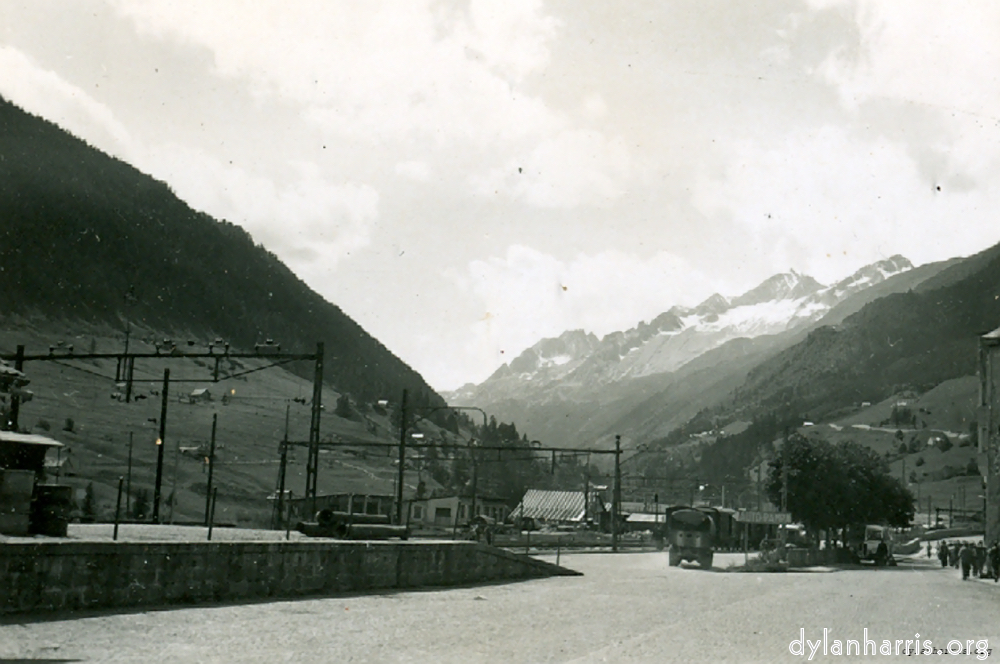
{"points": [[501, 331]]}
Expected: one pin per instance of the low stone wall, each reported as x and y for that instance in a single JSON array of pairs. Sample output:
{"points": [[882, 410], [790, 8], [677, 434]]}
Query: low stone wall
{"points": [[798, 557], [54, 576]]}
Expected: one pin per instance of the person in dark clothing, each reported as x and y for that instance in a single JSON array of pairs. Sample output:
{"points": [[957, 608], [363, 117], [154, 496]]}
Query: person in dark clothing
{"points": [[994, 560], [980, 562], [967, 556], [943, 553], [956, 554]]}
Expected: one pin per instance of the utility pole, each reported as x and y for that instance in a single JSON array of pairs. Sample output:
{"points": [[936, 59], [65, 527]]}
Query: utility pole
{"points": [[211, 469], [160, 442], [128, 490], [784, 473], [282, 470], [312, 464], [15, 398], [616, 496], [475, 475], [173, 491], [402, 460]]}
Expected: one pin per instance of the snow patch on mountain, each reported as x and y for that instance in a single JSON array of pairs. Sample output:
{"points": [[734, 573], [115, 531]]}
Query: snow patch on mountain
{"points": [[577, 358]]}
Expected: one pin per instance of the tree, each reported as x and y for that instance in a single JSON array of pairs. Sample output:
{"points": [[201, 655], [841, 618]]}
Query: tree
{"points": [[343, 408], [834, 486]]}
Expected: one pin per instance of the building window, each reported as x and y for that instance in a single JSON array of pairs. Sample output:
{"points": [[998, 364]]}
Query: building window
{"points": [[418, 512], [442, 513], [461, 511]]}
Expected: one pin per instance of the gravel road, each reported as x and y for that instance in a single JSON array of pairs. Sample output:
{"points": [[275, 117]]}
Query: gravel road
{"points": [[628, 607]]}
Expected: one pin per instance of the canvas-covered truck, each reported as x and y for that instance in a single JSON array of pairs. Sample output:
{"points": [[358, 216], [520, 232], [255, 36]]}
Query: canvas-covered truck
{"points": [[691, 534]]}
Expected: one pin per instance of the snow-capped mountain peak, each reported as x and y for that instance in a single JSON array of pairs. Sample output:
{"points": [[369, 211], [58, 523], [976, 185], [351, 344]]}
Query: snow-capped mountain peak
{"points": [[782, 302]]}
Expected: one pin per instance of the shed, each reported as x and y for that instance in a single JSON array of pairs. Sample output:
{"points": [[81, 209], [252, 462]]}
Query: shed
{"points": [[557, 506], [24, 451], [22, 460], [202, 394]]}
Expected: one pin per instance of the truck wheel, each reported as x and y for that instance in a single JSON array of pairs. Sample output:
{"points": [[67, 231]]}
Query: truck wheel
{"points": [[881, 555], [705, 561], [674, 558]]}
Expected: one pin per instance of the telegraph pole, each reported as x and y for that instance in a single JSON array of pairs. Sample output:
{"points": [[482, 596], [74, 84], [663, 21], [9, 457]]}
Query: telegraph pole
{"points": [[15, 398], [312, 464], [282, 470], [211, 468], [616, 496], [402, 460], [128, 490], [160, 442]]}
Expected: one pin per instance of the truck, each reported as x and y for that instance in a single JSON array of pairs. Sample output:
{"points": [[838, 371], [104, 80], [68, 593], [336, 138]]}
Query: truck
{"points": [[875, 545], [691, 534]]}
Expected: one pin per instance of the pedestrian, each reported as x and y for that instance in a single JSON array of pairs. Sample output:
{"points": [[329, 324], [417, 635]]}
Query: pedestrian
{"points": [[956, 551], [980, 562], [943, 553], [994, 560], [928, 549], [967, 555]]}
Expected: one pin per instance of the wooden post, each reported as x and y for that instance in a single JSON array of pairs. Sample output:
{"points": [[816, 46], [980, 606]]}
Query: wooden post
{"points": [[616, 495], [211, 468], [211, 514], [400, 472], [118, 507], [15, 399], [128, 482], [160, 443]]}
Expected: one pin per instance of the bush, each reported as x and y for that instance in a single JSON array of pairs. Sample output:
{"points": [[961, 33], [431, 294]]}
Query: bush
{"points": [[69, 425], [343, 407], [919, 461]]}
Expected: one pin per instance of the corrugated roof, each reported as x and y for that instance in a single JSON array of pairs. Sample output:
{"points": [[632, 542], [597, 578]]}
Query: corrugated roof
{"points": [[551, 505], [28, 439]]}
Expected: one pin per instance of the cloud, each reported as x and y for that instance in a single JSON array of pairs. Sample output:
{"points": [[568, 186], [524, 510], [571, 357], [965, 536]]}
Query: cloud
{"points": [[830, 200], [572, 168], [417, 171], [301, 220], [374, 69], [401, 73], [527, 295], [307, 220], [918, 53], [44, 93]]}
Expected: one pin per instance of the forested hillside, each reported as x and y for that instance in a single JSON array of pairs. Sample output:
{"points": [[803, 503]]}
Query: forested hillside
{"points": [[912, 340], [84, 236]]}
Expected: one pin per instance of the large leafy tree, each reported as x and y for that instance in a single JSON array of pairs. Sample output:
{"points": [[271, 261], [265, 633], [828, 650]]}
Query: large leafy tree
{"points": [[834, 486]]}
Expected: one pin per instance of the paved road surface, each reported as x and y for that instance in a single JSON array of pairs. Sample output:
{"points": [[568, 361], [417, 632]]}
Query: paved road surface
{"points": [[628, 607]]}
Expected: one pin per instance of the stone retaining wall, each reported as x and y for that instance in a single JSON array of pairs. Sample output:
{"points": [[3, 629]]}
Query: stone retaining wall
{"points": [[54, 576]]}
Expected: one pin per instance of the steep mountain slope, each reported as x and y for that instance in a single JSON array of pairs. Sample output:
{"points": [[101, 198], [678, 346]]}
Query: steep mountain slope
{"points": [[647, 380], [87, 237], [915, 339]]}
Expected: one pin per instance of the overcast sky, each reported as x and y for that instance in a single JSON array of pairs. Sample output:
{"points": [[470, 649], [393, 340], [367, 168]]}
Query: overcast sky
{"points": [[465, 178]]}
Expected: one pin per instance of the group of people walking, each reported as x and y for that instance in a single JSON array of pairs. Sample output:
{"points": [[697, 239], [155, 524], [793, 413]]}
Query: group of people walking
{"points": [[974, 559]]}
